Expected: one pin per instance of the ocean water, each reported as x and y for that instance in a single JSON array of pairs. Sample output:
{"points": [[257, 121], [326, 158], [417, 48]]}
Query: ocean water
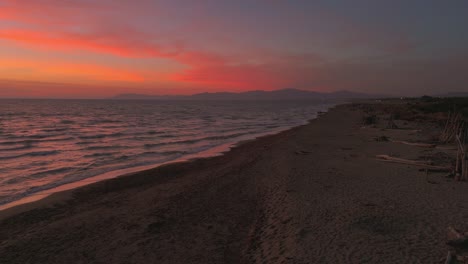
{"points": [[48, 143]]}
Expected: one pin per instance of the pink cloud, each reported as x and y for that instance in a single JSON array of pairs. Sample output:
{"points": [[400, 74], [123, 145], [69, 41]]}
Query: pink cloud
{"points": [[93, 27]]}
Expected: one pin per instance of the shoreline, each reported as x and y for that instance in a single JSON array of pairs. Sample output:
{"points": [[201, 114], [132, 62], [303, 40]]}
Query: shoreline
{"points": [[74, 155], [311, 194], [127, 172], [63, 192]]}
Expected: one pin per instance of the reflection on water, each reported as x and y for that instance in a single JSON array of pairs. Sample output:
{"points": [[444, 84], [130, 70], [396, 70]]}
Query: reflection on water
{"points": [[48, 143]]}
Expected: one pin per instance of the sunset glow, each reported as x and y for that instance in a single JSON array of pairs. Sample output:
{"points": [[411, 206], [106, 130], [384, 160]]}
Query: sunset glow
{"points": [[177, 47]]}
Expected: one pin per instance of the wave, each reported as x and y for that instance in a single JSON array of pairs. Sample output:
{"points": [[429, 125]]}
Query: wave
{"points": [[196, 140], [56, 129], [99, 154], [104, 121], [236, 129], [42, 153], [41, 136], [14, 142], [153, 132], [103, 147], [26, 146], [67, 122], [57, 139], [168, 136], [111, 137], [100, 136], [30, 141], [93, 136], [163, 153], [32, 154], [28, 137], [33, 176], [122, 157]]}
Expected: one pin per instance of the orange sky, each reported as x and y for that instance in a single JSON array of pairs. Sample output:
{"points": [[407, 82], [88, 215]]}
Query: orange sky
{"points": [[84, 48]]}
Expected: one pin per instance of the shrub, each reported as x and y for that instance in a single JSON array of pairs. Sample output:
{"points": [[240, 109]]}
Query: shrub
{"points": [[370, 120]]}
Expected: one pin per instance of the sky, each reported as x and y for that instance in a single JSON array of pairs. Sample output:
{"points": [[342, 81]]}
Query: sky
{"points": [[94, 49]]}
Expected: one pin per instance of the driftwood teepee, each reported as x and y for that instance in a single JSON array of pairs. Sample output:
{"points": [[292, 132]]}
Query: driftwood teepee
{"points": [[452, 128], [456, 131], [461, 167]]}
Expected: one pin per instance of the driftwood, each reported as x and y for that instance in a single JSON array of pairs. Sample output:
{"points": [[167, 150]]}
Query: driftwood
{"points": [[422, 145], [452, 127], [446, 148], [302, 152], [461, 166], [456, 131], [423, 164], [456, 239], [449, 259], [459, 242]]}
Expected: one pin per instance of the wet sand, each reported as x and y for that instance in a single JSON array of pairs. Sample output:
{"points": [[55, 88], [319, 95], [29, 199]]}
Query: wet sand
{"points": [[312, 194]]}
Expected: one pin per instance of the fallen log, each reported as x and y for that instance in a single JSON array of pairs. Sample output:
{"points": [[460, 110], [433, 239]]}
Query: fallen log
{"points": [[423, 164]]}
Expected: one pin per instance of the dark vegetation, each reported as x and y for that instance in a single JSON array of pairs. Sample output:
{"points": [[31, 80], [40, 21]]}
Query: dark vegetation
{"points": [[370, 120], [432, 105], [426, 109]]}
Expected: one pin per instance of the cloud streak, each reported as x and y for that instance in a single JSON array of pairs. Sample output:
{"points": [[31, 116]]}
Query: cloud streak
{"points": [[217, 45]]}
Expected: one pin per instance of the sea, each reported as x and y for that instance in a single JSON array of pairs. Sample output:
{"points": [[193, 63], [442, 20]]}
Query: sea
{"points": [[48, 143]]}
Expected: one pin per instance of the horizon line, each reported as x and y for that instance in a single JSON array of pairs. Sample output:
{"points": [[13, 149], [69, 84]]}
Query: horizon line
{"points": [[113, 97]]}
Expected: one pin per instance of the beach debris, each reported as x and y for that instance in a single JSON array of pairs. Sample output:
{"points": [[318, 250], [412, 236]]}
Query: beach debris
{"points": [[422, 145], [449, 175], [416, 144], [369, 204], [302, 152], [453, 126], [461, 166], [447, 148], [418, 163], [459, 243], [456, 238], [449, 259], [382, 139]]}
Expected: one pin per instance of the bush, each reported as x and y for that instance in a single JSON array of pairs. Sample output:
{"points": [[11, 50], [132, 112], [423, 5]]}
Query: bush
{"points": [[443, 105], [370, 120]]}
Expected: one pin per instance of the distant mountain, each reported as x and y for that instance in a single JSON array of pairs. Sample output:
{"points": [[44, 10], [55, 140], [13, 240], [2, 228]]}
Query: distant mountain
{"points": [[130, 96], [454, 94], [284, 94]]}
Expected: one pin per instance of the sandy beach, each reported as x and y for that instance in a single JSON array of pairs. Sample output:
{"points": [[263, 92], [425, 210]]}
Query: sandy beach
{"points": [[312, 194]]}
